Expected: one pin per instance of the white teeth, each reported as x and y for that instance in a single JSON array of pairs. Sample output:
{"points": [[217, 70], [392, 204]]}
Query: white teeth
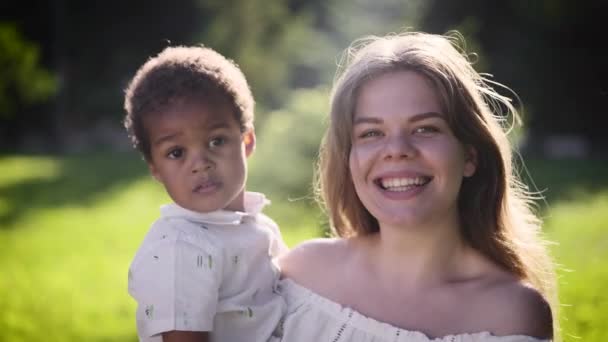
{"points": [[402, 184]]}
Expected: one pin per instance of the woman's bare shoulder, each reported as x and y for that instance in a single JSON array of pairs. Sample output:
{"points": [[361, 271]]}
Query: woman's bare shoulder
{"points": [[512, 307], [313, 260]]}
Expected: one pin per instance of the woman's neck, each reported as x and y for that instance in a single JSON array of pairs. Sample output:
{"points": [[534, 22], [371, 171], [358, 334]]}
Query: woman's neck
{"points": [[421, 257]]}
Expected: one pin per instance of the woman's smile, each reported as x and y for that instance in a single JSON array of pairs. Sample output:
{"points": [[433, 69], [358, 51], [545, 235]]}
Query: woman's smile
{"points": [[406, 164]]}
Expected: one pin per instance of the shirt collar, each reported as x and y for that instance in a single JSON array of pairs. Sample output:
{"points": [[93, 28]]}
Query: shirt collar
{"points": [[254, 203]]}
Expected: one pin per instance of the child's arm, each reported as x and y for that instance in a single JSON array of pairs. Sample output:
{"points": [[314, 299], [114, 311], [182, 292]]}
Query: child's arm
{"points": [[186, 336], [175, 280], [278, 246]]}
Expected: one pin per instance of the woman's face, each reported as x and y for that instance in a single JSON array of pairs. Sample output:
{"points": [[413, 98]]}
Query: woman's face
{"points": [[406, 164]]}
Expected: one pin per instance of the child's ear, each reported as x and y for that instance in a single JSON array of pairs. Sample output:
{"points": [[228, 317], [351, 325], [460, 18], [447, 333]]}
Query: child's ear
{"points": [[153, 171], [249, 140], [470, 161]]}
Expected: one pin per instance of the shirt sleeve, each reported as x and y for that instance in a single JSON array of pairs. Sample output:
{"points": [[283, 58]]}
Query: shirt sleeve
{"points": [[176, 285], [277, 245]]}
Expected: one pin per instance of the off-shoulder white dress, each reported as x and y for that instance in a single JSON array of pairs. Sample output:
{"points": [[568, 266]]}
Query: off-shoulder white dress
{"points": [[311, 317]]}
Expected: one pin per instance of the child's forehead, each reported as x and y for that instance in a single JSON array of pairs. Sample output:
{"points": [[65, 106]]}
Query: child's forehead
{"points": [[202, 114], [210, 102]]}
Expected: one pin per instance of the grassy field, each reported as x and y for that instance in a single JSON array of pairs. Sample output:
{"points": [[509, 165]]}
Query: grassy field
{"points": [[70, 225]]}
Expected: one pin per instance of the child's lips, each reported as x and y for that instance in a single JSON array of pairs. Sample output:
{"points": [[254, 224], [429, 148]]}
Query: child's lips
{"points": [[206, 187]]}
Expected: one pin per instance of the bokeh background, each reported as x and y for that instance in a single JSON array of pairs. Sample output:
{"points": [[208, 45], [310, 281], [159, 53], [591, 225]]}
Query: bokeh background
{"points": [[75, 200]]}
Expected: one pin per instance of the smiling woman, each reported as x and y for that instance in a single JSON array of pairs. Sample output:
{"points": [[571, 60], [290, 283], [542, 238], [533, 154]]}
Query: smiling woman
{"points": [[403, 150], [436, 239]]}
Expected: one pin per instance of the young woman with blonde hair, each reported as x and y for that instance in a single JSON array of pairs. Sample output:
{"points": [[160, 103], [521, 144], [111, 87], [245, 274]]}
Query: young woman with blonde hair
{"points": [[436, 239]]}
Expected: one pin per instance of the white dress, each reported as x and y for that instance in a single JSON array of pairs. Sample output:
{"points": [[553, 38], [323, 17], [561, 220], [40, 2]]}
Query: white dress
{"points": [[208, 272], [311, 317]]}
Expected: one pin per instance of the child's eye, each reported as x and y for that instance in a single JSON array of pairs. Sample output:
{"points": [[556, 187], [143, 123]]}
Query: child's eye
{"points": [[175, 153], [215, 142]]}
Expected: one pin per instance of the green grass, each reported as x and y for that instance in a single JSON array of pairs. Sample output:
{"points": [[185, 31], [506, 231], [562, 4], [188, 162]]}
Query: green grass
{"points": [[581, 229], [69, 227]]}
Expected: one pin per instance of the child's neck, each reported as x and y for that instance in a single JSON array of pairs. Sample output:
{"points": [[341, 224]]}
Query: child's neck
{"points": [[237, 204]]}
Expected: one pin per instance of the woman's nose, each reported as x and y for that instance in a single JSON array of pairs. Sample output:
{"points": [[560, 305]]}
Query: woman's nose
{"points": [[400, 146]]}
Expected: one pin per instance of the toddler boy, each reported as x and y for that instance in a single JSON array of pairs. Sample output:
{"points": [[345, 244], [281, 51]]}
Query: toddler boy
{"points": [[204, 270]]}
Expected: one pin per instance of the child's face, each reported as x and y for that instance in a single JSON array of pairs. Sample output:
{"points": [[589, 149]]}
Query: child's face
{"points": [[200, 155], [406, 164]]}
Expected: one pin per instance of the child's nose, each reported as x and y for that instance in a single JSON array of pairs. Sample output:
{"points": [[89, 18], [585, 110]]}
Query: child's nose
{"points": [[201, 162]]}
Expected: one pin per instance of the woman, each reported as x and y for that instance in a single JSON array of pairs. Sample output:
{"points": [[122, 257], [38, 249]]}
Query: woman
{"points": [[436, 239]]}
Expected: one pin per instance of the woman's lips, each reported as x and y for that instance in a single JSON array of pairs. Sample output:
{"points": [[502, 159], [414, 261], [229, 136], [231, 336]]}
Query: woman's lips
{"points": [[402, 183]]}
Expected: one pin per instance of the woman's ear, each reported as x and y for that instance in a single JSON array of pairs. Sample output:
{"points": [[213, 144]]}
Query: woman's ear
{"points": [[470, 161], [249, 140]]}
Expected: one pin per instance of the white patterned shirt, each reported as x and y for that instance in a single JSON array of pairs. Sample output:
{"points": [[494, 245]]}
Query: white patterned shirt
{"points": [[209, 272]]}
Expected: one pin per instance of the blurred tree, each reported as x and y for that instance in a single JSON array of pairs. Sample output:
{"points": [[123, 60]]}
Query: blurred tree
{"points": [[550, 52], [25, 84], [339, 22], [23, 81], [94, 49], [288, 145], [99, 46], [272, 42]]}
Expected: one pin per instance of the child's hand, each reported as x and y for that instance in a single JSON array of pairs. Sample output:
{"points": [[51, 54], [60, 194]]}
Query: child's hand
{"points": [[186, 336]]}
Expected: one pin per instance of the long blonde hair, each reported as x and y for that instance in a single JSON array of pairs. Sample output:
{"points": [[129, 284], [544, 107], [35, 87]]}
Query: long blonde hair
{"points": [[496, 216]]}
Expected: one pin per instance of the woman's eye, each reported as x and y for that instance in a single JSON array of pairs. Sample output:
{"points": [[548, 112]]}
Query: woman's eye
{"points": [[426, 129], [369, 134], [215, 142], [175, 153]]}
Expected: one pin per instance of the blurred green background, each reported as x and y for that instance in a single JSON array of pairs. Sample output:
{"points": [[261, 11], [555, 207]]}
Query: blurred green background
{"points": [[75, 201]]}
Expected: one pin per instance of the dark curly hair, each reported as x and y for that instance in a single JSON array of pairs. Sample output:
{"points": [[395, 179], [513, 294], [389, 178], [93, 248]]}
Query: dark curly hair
{"points": [[184, 73]]}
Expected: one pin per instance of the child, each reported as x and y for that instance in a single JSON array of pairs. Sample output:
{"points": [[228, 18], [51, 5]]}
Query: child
{"points": [[436, 237], [204, 270]]}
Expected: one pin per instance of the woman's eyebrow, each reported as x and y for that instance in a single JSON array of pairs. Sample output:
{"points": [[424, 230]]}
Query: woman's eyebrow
{"points": [[427, 115], [414, 118], [367, 119]]}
